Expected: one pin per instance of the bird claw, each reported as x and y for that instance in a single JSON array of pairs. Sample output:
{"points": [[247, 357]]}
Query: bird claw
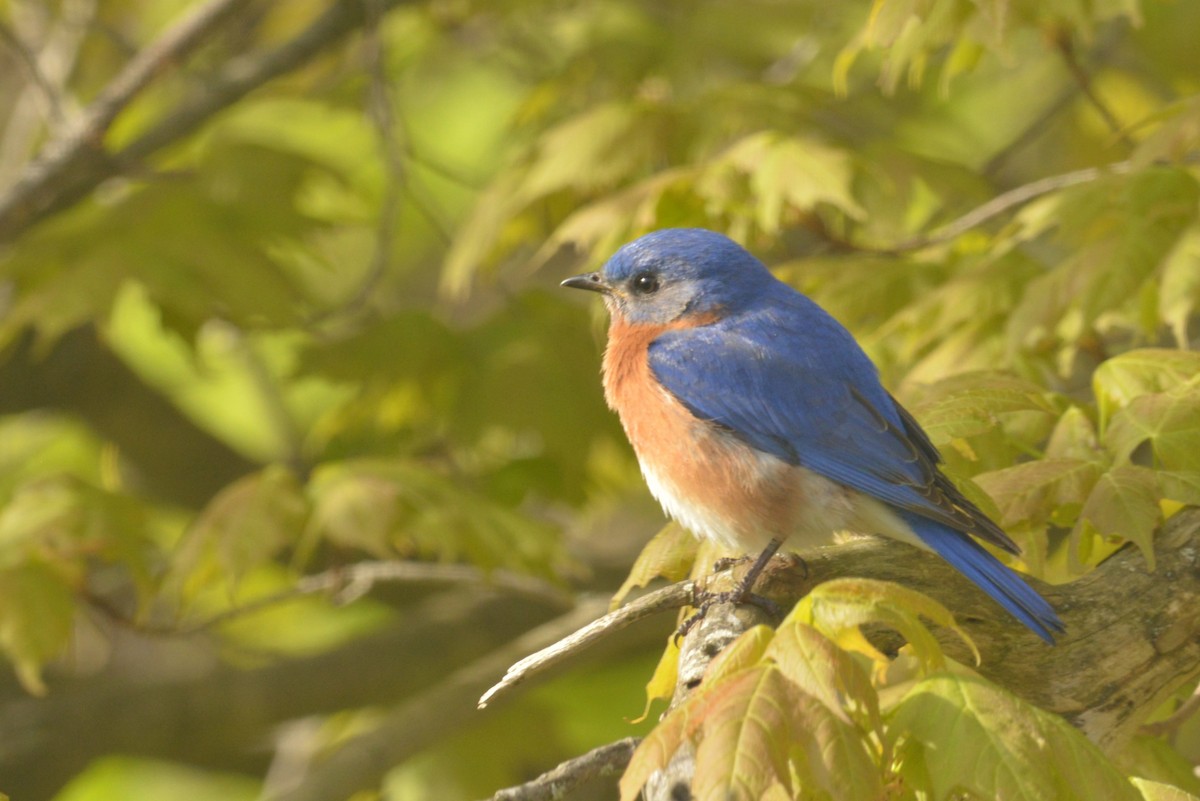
{"points": [[726, 562], [706, 600]]}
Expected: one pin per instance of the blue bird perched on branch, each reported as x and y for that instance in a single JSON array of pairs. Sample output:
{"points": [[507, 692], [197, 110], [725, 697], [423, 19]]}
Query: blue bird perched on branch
{"points": [[758, 420]]}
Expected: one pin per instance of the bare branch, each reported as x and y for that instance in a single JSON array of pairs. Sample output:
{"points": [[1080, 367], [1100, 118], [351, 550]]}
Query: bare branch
{"points": [[46, 92], [557, 784], [672, 597], [351, 582], [414, 725], [84, 143], [1007, 201], [73, 168]]}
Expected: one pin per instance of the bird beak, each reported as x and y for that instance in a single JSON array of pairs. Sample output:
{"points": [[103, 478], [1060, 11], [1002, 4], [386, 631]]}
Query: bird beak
{"points": [[590, 281]]}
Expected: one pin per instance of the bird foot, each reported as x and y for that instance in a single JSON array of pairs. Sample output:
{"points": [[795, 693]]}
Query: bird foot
{"points": [[706, 600], [726, 562]]}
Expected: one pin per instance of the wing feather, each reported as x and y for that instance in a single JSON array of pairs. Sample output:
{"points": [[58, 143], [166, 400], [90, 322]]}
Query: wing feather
{"points": [[811, 397]]}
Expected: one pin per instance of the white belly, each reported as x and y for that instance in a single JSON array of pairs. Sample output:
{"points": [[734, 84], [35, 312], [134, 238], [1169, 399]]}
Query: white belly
{"points": [[825, 510]]}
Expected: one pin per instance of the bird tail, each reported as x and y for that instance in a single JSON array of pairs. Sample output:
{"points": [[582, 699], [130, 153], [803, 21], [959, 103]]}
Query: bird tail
{"points": [[991, 575]]}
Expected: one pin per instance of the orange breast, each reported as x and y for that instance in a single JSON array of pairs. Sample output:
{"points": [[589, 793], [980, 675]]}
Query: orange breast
{"points": [[711, 482]]}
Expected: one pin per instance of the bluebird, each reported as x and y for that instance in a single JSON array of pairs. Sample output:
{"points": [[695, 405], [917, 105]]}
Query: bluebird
{"points": [[758, 420]]}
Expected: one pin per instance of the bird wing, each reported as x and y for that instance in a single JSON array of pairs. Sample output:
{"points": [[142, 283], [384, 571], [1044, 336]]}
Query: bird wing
{"points": [[791, 381]]}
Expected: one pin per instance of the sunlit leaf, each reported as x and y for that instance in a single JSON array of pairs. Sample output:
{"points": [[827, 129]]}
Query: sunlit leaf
{"points": [[1157, 791], [669, 554], [976, 738], [1036, 491], [1124, 503], [839, 608], [819, 668], [249, 522], [1122, 379], [1168, 421]]}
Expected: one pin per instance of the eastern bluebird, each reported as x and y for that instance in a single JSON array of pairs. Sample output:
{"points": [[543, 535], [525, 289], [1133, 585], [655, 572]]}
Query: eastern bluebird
{"points": [[757, 419]]}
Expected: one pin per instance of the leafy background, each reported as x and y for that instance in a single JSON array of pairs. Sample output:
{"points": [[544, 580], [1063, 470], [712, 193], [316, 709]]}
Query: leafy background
{"points": [[317, 326]]}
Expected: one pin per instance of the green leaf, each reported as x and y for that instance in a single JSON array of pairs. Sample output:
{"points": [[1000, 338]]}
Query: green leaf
{"points": [[399, 506], [743, 748], [1168, 421], [1154, 759], [244, 525], [972, 403], [37, 608], [1180, 485], [1179, 287], [839, 608], [669, 554], [785, 174], [1037, 491], [1157, 791], [962, 734], [756, 730], [745, 652], [1074, 437], [1122, 379], [812, 662], [1124, 504]]}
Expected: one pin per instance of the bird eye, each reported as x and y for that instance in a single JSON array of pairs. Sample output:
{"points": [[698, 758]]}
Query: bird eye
{"points": [[645, 283]]}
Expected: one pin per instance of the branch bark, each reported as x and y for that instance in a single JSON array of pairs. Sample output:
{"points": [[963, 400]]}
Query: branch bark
{"points": [[1132, 638], [557, 784]]}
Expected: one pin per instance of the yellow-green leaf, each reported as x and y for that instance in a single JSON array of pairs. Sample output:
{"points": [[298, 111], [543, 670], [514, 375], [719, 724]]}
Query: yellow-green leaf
{"points": [[963, 734], [1169, 421], [1121, 379], [1157, 791], [829, 674], [1124, 503], [838, 609], [669, 554], [1034, 491], [36, 612]]}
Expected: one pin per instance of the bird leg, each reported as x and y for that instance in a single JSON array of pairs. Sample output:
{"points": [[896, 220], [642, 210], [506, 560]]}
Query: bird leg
{"points": [[741, 593]]}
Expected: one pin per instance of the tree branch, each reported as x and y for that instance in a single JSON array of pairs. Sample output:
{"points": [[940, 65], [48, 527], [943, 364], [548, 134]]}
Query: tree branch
{"points": [[672, 597], [557, 784], [407, 729], [1006, 201], [82, 145], [72, 168]]}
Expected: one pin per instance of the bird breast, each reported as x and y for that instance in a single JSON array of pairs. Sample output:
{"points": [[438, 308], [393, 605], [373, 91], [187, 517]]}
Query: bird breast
{"points": [[713, 483]]}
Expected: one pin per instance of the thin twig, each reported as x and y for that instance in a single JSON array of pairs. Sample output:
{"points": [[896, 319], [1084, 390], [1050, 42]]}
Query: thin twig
{"points": [[557, 784], [51, 107], [172, 48], [349, 583], [1067, 50], [379, 107], [671, 597], [1006, 201]]}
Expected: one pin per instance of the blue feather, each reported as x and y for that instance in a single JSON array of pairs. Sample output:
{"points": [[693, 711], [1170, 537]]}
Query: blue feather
{"points": [[990, 574]]}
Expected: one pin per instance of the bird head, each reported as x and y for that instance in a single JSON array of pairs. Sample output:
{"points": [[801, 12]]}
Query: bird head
{"points": [[671, 275]]}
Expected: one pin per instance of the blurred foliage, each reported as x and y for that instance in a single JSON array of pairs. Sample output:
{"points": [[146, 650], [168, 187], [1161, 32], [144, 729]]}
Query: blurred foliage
{"points": [[346, 280]]}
